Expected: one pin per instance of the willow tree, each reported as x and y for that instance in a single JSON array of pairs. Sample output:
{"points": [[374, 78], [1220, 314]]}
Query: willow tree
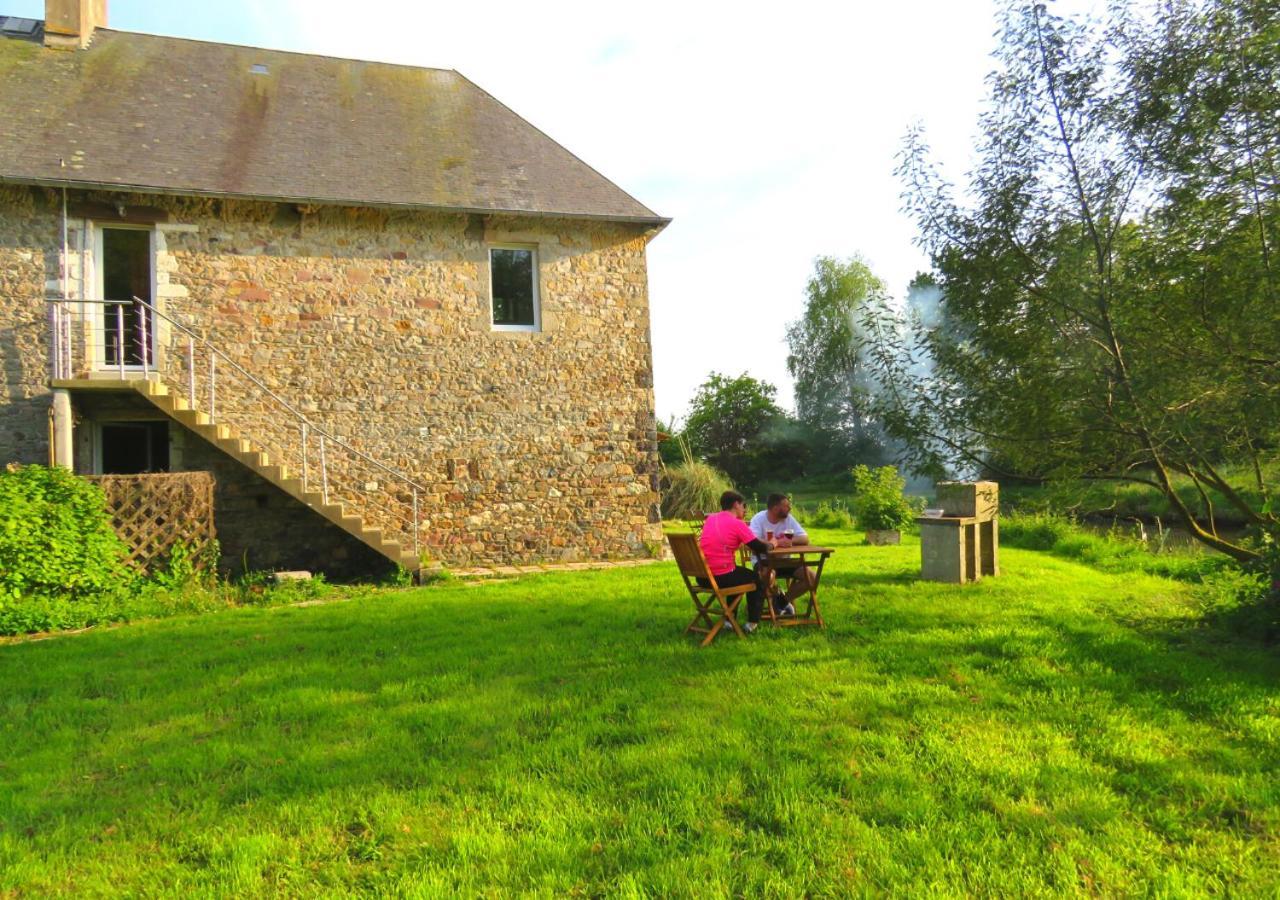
{"points": [[1109, 279]]}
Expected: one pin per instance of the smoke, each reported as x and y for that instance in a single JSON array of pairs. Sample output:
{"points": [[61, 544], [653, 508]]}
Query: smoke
{"points": [[925, 302]]}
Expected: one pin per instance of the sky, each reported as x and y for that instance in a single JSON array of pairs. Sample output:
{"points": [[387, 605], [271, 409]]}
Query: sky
{"points": [[768, 133]]}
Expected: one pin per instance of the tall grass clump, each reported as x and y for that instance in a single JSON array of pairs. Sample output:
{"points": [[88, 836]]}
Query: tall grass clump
{"points": [[691, 487]]}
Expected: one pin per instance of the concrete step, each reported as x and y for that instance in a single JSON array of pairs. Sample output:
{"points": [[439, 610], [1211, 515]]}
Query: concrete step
{"points": [[235, 445], [275, 474]]}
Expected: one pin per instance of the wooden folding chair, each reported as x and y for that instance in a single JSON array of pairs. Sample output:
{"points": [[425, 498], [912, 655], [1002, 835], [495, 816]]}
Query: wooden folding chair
{"points": [[693, 565]]}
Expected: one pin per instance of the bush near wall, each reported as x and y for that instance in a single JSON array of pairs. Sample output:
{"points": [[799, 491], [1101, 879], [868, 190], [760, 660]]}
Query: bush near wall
{"points": [[56, 540]]}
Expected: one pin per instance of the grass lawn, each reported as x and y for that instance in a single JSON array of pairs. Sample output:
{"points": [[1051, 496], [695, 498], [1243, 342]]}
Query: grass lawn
{"points": [[1055, 731]]}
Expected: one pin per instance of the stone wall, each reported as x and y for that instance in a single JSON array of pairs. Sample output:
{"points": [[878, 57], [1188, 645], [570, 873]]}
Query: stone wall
{"points": [[529, 446], [25, 246], [261, 528]]}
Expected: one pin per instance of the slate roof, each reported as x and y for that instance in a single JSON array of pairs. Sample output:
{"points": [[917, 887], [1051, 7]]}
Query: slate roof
{"points": [[170, 115]]}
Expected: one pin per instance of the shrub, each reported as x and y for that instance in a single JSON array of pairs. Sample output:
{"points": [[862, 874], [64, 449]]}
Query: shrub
{"points": [[831, 515], [692, 487], [878, 499], [1040, 531], [1227, 590], [56, 540]]}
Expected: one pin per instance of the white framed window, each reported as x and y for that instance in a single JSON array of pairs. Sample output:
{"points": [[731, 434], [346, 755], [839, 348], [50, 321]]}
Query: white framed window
{"points": [[514, 304]]}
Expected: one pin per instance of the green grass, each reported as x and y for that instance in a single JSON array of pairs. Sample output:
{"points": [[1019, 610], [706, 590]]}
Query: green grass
{"points": [[1059, 730]]}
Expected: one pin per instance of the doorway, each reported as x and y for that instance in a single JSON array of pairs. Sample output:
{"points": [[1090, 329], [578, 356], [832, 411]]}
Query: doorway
{"points": [[131, 448], [123, 262]]}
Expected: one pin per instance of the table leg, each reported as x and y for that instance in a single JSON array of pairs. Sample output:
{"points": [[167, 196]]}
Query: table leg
{"points": [[814, 609], [767, 583]]}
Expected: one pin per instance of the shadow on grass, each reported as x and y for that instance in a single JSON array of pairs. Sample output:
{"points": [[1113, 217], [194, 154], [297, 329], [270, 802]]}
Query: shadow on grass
{"points": [[456, 689]]}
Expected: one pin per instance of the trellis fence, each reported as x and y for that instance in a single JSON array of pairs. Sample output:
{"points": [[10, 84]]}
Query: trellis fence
{"points": [[154, 512]]}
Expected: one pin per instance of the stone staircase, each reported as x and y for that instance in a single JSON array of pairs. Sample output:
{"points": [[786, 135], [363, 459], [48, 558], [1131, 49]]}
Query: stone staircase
{"points": [[242, 449]]}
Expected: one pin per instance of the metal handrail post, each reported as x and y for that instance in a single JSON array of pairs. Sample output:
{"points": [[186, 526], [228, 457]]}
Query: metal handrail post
{"points": [[324, 473], [146, 345], [304, 457], [66, 343], [55, 336], [416, 552], [120, 339], [213, 390], [191, 373]]}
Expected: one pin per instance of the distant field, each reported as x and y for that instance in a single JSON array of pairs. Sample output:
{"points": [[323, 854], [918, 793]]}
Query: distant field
{"points": [[1058, 730]]}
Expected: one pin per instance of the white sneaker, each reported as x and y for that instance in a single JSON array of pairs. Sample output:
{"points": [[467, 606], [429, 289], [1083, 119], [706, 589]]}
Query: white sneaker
{"points": [[787, 612], [748, 627]]}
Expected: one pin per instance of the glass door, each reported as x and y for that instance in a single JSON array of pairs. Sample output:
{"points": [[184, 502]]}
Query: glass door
{"points": [[124, 271]]}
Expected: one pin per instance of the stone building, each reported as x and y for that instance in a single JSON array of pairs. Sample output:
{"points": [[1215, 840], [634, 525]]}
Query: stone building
{"points": [[395, 320]]}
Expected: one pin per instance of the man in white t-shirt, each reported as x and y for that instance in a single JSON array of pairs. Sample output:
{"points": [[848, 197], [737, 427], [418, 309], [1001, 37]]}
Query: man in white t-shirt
{"points": [[775, 523]]}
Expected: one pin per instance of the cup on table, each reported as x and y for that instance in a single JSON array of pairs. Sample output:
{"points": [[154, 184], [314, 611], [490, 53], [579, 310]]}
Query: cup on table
{"points": [[788, 535]]}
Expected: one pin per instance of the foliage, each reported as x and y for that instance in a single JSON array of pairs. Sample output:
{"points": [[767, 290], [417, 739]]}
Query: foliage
{"points": [[260, 588], [736, 426], [1054, 731], [1110, 298], [668, 445], [1226, 591], [56, 540], [1114, 551], [879, 501], [692, 487], [398, 577], [830, 514], [184, 568]]}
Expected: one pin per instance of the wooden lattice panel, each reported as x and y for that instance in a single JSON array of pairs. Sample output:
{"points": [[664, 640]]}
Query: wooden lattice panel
{"points": [[153, 512]]}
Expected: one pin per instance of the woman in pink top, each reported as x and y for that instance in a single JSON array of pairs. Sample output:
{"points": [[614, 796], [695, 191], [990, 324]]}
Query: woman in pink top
{"points": [[722, 534]]}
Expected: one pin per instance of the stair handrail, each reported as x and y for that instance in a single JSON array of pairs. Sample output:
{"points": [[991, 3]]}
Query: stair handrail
{"points": [[62, 369], [276, 397]]}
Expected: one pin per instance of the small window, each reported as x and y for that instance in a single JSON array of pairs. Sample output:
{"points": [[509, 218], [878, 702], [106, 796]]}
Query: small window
{"points": [[513, 288]]}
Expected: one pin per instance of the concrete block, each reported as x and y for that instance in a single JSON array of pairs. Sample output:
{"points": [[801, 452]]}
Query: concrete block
{"points": [[969, 499]]}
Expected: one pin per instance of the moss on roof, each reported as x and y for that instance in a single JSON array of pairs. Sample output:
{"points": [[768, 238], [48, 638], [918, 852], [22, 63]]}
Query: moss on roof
{"points": [[184, 116]]}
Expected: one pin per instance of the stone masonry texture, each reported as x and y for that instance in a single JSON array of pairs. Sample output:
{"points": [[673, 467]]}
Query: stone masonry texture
{"points": [[528, 447]]}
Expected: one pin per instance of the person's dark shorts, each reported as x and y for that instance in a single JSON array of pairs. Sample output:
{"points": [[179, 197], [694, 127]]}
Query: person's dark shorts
{"points": [[787, 570]]}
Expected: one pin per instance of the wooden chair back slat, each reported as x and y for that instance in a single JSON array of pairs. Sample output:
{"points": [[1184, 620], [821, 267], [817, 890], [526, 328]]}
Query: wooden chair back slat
{"points": [[684, 547]]}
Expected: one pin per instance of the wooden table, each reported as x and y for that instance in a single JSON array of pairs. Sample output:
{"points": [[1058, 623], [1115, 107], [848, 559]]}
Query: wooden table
{"points": [[800, 554]]}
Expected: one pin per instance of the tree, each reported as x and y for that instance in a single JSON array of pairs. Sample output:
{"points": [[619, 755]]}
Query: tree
{"points": [[1109, 290], [827, 356], [736, 425]]}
